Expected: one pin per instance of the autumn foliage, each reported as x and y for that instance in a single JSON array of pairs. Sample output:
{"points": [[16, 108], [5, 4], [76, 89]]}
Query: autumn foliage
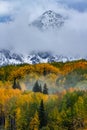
{"points": [[53, 103], [28, 110]]}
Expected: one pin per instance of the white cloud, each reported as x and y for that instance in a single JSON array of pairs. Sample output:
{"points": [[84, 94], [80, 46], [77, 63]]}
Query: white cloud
{"points": [[5, 8], [73, 1], [71, 39]]}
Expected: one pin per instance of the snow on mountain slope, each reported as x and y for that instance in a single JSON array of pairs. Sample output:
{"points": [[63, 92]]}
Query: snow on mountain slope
{"points": [[7, 58], [48, 20]]}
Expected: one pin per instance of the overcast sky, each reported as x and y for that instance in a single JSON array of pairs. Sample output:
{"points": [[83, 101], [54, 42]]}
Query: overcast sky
{"points": [[71, 39]]}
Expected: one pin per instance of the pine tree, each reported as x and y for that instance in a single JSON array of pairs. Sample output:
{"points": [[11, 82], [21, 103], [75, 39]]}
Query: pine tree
{"points": [[2, 116], [37, 87], [16, 85], [45, 89], [44, 72], [42, 115]]}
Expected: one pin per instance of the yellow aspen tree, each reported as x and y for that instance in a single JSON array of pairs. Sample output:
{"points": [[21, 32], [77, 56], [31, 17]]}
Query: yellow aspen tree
{"points": [[34, 124]]}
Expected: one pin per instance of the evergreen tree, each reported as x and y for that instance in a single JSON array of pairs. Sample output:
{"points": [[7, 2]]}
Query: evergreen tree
{"points": [[37, 87], [45, 89], [16, 85], [42, 115], [44, 72], [2, 116]]}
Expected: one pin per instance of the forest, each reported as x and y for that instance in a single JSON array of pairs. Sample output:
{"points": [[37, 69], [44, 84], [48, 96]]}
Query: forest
{"points": [[49, 96], [37, 111]]}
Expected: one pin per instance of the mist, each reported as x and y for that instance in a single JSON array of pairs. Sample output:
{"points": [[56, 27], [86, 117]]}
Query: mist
{"points": [[71, 39]]}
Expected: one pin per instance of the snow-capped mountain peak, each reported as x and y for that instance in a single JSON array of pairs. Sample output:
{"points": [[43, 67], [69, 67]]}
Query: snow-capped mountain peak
{"points": [[48, 20], [8, 57]]}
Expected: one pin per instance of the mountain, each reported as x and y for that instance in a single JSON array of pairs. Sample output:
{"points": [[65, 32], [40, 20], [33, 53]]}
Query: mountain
{"points": [[48, 20], [8, 57]]}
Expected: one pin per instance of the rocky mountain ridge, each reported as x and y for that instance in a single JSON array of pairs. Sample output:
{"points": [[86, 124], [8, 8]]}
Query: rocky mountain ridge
{"points": [[49, 20], [8, 57]]}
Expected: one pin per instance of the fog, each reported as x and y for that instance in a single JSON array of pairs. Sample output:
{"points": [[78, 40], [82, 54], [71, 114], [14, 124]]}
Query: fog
{"points": [[71, 39]]}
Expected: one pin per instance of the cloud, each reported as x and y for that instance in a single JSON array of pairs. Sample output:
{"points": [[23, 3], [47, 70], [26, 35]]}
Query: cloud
{"points": [[71, 39], [10, 6], [4, 7], [80, 5], [73, 1]]}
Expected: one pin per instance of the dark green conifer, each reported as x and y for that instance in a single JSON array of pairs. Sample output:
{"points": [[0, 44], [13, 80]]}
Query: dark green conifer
{"points": [[42, 115], [16, 85], [45, 89], [37, 87], [44, 71]]}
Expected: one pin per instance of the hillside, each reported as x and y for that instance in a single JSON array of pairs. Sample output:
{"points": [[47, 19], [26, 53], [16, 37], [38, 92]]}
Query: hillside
{"points": [[64, 107], [58, 76]]}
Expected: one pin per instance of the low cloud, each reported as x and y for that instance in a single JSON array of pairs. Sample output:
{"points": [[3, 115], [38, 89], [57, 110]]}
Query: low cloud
{"points": [[70, 40]]}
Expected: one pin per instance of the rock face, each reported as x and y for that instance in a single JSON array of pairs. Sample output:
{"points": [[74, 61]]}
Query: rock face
{"points": [[8, 58], [49, 20]]}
